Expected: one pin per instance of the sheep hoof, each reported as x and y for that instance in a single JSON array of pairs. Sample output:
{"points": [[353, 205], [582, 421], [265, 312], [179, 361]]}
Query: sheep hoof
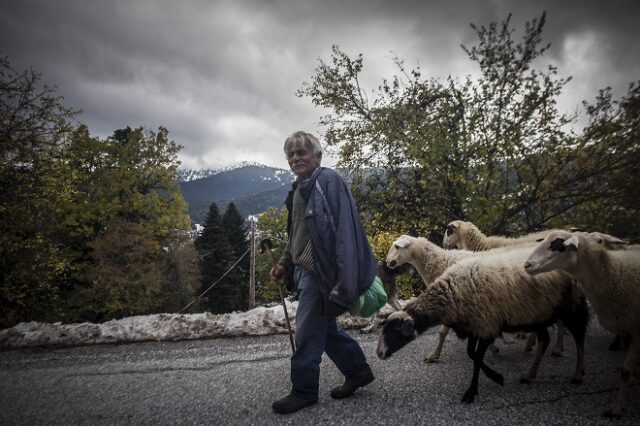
{"points": [[430, 359], [496, 377], [613, 413], [469, 396], [576, 381], [525, 380]]}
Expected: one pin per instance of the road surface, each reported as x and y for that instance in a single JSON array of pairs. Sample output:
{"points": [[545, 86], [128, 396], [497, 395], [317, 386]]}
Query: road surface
{"points": [[234, 381]]}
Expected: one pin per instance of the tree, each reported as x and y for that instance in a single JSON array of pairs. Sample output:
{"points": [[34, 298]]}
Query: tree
{"points": [[34, 123], [125, 275], [127, 178], [182, 277], [235, 229], [214, 252], [63, 193], [493, 150]]}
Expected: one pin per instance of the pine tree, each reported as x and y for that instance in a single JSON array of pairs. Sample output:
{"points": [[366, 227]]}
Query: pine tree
{"points": [[214, 251], [236, 230]]}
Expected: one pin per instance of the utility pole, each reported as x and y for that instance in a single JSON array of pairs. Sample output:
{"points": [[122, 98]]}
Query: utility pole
{"points": [[252, 267]]}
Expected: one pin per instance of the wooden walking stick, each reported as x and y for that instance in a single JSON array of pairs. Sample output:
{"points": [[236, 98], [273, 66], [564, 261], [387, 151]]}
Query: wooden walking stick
{"points": [[265, 244]]}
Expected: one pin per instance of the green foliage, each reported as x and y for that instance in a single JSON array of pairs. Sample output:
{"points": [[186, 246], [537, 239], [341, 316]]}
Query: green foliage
{"points": [[82, 219], [222, 242], [235, 230], [272, 224], [182, 277], [493, 150], [125, 275], [33, 123]]}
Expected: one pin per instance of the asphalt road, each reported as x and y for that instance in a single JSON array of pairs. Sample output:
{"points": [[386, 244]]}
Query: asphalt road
{"points": [[234, 381]]}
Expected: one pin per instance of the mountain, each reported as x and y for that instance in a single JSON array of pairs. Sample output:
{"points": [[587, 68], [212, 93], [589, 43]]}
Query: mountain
{"points": [[187, 175], [252, 186]]}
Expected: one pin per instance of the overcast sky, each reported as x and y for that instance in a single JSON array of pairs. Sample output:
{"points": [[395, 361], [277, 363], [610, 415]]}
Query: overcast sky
{"points": [[222, 75]]}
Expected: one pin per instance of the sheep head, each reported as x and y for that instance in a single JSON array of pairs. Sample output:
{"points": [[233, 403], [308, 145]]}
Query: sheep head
{"points": [[559, 250], [397, 332], [399, 252], [608, 241], [451, 238]]}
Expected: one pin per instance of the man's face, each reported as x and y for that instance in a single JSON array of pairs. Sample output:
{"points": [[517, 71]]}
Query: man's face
{"points": [[302, 161]]}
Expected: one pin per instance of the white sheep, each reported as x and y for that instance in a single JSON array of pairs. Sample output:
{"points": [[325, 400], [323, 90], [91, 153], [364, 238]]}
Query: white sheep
{"points": [[483, 296], [430, 261], [465, 235], [611, 282]]}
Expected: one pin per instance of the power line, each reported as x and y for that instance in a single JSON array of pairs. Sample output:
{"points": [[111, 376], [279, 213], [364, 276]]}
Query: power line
{"points": [[219, 279]]}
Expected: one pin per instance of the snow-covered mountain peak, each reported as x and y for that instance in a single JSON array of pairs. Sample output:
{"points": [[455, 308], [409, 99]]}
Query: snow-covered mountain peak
{"points": [[187, 175]]}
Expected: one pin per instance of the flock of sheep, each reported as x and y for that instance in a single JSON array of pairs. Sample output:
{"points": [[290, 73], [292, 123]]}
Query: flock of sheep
{"points": [[491, 285]]}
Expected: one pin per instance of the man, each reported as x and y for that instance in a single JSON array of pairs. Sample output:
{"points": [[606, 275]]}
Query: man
{"points": [[333, 265]]}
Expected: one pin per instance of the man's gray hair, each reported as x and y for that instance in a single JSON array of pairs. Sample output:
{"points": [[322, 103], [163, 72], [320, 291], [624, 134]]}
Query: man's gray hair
{"points": [[303, 139]]}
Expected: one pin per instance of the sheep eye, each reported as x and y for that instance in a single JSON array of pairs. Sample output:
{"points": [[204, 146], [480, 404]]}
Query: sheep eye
{"points": [[557, 245]]}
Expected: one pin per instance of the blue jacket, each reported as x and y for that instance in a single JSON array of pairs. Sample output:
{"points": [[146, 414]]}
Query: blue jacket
{"points": [[344, 261]]}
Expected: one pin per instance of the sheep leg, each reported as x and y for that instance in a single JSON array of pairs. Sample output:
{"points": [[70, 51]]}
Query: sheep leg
{"points": [[616, 345], [543, 343], [578, 337], [488, 371], [394, 303], [478, 356], [559, 346], [628, 367], [531, 341], [435, 355], [375, 323]]}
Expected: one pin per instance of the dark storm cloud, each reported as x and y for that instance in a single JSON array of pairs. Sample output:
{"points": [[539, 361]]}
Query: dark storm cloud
{"points": [[221, 75]]}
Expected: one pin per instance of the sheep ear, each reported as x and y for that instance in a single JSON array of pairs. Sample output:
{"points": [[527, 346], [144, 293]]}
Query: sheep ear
{"points": [[402, 243], [572, 243]]}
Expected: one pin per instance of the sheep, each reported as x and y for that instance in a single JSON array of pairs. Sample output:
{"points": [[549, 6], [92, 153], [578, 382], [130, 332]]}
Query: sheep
{"points": [[483, 296], [611, 282], [430, 261], [465, 235]]}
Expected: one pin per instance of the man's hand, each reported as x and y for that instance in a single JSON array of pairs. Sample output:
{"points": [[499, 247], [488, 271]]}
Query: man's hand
{"points": [[277, 272], [334, 310]]}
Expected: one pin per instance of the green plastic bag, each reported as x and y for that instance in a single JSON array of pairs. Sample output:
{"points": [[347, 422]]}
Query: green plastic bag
{"points": [[371, 301]]}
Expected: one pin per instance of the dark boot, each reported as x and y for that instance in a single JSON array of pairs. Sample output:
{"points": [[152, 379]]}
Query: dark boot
{"points": [[292, 403], [352, 383]]}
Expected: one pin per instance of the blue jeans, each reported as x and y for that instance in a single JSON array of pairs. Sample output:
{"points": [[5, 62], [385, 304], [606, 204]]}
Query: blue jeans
{"points": [[315, 334]]}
